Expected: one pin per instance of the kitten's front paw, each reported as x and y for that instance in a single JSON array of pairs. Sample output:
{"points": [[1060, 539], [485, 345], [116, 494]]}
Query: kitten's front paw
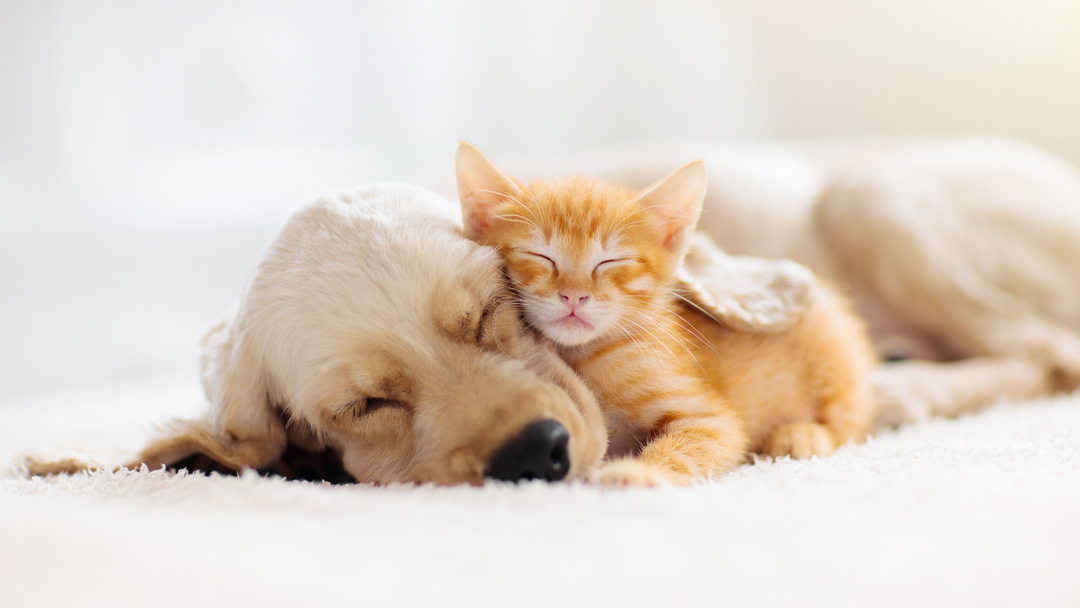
{"points": [[629, 473], [800, 440]]}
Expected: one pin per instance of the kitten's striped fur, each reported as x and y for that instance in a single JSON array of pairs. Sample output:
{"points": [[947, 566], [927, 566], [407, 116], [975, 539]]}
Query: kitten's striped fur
{"points": [[685, 398]]}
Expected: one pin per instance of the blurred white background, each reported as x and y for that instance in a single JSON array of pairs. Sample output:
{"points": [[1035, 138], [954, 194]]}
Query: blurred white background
{"points": [[149, 149]]}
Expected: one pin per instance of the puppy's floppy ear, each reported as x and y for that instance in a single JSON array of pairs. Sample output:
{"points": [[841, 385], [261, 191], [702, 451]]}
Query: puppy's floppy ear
{"points": [[675, 204], [482, 188], [742, 292]]}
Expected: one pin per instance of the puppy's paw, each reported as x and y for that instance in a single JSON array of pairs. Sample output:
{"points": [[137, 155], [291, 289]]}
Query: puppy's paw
{"points": [[630, 473], [800, 440]]}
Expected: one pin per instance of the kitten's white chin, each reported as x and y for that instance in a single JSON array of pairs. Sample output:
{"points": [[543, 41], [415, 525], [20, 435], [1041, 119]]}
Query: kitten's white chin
{"points": [[570, 331]]}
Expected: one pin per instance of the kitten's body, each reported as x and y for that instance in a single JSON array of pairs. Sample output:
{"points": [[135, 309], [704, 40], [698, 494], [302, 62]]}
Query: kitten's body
{"points": [[685, 398]]}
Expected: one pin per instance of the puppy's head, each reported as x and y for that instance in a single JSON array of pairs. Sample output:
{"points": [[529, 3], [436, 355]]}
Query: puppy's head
{"points": [[374, 323]]}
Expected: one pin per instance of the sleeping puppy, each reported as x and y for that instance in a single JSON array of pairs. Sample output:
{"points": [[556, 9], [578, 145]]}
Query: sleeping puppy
{"points": [[960, 254], [374, 331]]}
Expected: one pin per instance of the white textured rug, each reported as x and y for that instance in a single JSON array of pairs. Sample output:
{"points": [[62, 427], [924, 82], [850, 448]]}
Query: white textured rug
{"points": [[980, 511]]}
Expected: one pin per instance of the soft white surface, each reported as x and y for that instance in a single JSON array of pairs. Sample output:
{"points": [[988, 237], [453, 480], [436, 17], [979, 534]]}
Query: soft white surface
{"points": [[981, 511]]}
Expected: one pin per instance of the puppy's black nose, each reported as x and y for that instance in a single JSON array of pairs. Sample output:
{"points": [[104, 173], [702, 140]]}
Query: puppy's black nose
{"points": [[538, 452]]}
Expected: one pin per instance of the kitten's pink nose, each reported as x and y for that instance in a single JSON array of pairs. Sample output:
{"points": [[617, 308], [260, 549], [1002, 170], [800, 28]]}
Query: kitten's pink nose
{"points": [[573, 298]]}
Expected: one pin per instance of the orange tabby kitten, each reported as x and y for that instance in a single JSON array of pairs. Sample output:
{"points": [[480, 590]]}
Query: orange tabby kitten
{"points": [[685, 398]]}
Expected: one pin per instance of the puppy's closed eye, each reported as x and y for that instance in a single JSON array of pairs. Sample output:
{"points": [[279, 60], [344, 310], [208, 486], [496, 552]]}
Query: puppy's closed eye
{"points": [[370, 405]]}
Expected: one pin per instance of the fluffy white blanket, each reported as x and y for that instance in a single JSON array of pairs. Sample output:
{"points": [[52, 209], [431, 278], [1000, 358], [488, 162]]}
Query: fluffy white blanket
{"points": [[980, 511]]}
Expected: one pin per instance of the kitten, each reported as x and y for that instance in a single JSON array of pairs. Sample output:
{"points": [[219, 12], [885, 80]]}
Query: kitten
{"points": [[685, 398]]}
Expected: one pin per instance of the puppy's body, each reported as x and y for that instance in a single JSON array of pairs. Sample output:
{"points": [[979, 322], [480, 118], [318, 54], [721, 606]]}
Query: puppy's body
{"points": [[934, 236]]}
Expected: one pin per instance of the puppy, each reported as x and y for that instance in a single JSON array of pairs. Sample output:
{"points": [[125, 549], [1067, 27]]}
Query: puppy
{"points": [[959, 254], [373, 330]]}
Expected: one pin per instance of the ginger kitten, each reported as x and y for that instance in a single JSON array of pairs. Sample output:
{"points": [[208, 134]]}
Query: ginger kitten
{"points": [[685, 398]]}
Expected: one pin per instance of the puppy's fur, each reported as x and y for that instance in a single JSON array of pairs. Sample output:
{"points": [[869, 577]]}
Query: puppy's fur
{"points": [[961, 253], [374, 329]]}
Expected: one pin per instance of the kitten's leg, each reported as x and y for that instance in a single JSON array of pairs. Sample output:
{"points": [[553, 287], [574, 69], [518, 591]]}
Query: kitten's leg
{"points": [[801, 440], [682, 449], [839, 362], [843, 417]]}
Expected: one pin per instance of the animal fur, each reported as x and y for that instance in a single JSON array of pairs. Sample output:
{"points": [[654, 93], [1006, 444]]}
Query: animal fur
{"points": [[595, 267], [959, 254], [372, 329]]}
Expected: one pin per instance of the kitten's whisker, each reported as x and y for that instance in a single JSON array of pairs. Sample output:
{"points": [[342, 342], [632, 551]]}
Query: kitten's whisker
{"points": [[689, 327], [655, 338], [503, 195], [653, 325], [694, 304], [637, 343], [517, 219], [528, 209], [674, 336], [626, 224], [681, 321]]}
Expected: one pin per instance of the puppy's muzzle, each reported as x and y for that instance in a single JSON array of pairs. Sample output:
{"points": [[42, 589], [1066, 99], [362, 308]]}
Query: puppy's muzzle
{"points": [[538, 452]]}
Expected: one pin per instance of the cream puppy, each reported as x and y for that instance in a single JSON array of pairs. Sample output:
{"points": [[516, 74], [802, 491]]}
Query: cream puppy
{"points": [[374, 331]]}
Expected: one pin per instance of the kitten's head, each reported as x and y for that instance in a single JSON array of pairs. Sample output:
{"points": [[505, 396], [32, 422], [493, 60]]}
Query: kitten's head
{"points": [[589, 258]]}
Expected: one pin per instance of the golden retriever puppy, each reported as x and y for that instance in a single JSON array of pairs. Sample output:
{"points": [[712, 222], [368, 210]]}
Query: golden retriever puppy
{"points": [[959, 253], [374, 330]]}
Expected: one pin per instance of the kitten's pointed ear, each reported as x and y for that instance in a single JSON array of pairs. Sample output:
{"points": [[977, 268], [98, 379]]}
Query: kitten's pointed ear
{"points": [[482, 188], [675, 202]]}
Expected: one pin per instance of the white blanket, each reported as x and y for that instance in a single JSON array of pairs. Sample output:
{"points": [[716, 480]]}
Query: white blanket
{"points": [[980, 511]]}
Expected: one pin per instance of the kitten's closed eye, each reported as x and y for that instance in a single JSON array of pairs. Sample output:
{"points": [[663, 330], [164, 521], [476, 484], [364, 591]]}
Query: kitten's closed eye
{"points": [[606, 264], [542, 258]]}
